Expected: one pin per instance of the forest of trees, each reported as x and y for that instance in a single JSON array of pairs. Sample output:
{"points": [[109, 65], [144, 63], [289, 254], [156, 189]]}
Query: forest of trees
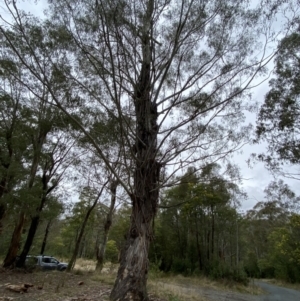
{"points": [[118, 122], [200, 230]]}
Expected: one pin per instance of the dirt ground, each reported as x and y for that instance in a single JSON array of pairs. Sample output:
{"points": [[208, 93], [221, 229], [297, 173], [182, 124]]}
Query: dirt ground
{"points": [[88, 286], [55, 286]]}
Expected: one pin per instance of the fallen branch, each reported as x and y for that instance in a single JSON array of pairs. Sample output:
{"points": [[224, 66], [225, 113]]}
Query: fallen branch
{"points": [[16, 288]]}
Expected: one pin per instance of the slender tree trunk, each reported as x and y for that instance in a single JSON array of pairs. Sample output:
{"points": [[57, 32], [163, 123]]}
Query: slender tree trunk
{"points": [[2, 186], [212, 233], [198, 246], [208, 246], [101, 251], [2, 214], [237, 243], [82, 245], [81, 232], [4, 189], [45, 237], [179, 235], [132, 274], [30, 236], [15, 242], [78, 241]]}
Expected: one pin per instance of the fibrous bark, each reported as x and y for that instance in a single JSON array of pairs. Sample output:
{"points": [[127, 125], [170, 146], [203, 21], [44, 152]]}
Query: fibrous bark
{"points": [[132, 275], [15, 242]]}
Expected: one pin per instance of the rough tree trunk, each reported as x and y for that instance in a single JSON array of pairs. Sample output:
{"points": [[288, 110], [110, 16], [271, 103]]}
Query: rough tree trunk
{"points": [[198, 246], [31, 233], [6, 165], [15, 242], [132, 274], [212, 233], [45, 237], [208, 246], [2, 214], [2, 186], [4, 189], [101, 251], [30, 236]]}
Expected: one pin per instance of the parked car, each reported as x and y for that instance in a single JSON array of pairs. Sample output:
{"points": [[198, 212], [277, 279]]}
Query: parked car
{"points": [[45, 262]]}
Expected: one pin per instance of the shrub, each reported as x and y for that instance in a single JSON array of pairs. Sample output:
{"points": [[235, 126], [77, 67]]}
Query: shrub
{"points": [[112, 252], [181, 266], [223, 271]]}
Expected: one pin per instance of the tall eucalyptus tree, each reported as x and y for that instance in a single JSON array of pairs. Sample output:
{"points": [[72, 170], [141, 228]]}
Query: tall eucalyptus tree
{"points": [[175, 76], [56, 158], [12, 143]]}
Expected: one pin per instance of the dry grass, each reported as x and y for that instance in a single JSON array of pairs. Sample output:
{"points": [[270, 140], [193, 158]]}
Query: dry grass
{"points": [[54, 286], [108, 278], [295, 286], [252, 288], [168, 287], [85, 265], [109, 273], [172, 292], [204, 283]]}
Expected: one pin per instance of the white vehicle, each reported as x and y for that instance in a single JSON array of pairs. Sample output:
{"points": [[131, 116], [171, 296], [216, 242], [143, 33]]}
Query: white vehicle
{"points": [[45, 262]]}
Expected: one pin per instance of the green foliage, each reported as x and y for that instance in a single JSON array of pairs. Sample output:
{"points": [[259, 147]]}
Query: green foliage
{"points": [[7, 67], [120, 226], [252, 266], [112, 252], [284, 251], [73, 224], [278, 121], [181, 266], [269, 227], [222, 270], [196, 216]]}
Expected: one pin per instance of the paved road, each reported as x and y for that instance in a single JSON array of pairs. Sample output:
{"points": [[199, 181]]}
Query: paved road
{"points": [[273, 293], [277, 293]]}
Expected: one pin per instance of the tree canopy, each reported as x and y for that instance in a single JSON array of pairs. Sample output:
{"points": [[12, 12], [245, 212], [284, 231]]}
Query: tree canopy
{"points": [[278, 119]]}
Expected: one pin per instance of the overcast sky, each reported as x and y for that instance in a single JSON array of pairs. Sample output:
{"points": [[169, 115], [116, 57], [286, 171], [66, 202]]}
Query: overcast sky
{"points": [[256, 178]]}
